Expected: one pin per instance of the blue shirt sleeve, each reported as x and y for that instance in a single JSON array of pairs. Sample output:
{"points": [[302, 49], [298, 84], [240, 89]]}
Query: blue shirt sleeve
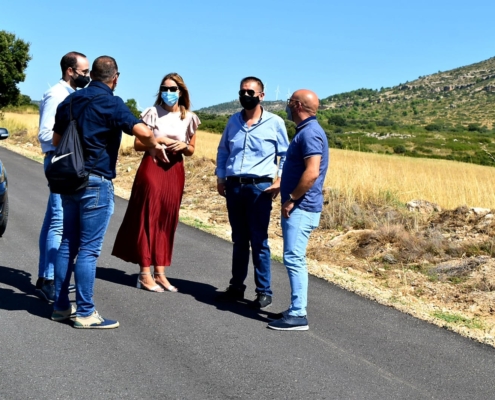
{"points": [[62, 117], [223, 153], [123, 118], [312, 145], [282, 145]]}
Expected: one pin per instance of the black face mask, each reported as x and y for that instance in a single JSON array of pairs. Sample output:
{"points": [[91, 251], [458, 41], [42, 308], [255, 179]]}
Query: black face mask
{"points": [[81, 81], [248, 102]]}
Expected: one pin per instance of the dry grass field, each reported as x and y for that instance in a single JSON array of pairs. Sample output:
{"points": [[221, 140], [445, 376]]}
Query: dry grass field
{"points": [[363, 176], [436, 265], [377, 177], [15, 122]]}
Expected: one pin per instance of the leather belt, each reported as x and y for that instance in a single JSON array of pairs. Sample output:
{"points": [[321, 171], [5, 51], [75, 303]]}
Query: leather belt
{"points": [[248, 181]]}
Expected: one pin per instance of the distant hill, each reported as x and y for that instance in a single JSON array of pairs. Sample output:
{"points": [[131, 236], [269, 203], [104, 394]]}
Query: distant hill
{"points": [[460, 96], [448, 115], [234, 106]]}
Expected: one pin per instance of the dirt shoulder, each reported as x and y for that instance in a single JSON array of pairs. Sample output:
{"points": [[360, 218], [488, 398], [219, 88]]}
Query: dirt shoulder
{"points": [[436, 265]]}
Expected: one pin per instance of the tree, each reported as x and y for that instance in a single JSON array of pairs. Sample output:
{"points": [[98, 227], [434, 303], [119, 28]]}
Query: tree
{"points": [[399, 149], [132, 104], [337, 120], [24, 100], [14, 58]]}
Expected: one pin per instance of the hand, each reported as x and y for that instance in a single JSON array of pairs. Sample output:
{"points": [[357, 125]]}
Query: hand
{"points": [[158, 152], [287, 208], [221, 189], [177, 146], [274, 189], [165, 140]]}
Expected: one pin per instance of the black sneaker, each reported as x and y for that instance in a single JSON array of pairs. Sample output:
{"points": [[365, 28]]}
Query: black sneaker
{"points": [[40, 282], [72, 288], [47, 292], [262, 301], [290, 323], [230, 294]]}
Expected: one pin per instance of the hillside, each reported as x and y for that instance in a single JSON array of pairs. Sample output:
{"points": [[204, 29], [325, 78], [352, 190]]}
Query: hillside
{"points": [[462, 96], [447, 115], [233, 106]]}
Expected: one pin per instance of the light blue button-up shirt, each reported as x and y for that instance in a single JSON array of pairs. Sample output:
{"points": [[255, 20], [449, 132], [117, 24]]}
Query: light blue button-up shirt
{"points": [[48, 107], [252, 151]]}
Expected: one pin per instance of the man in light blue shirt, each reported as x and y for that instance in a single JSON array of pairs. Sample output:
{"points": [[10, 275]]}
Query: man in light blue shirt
{"points": [[75, 74], [249, 178]]}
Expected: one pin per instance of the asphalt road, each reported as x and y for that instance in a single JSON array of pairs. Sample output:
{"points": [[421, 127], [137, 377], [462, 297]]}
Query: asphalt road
{"points": [[184, 346]]}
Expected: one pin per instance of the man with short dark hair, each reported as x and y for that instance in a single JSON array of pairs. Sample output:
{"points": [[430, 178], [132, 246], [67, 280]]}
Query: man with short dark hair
{"points": [[75, 74], [301, 190], [101, 118], [249, 178]]}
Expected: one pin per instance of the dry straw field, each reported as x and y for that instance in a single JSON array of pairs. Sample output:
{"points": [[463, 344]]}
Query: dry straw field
{"points": [[363, 176], [376, 177], [437, 266]]}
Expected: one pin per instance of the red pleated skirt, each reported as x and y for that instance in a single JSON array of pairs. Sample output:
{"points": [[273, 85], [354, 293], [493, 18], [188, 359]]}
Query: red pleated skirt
{"points": [[146, 236]]}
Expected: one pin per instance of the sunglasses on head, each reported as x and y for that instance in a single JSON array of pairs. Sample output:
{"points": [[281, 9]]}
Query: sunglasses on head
{"points": [[164, 88], [248, 92]]}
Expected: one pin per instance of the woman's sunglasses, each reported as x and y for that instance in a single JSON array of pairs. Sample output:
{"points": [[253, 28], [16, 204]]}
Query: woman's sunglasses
{"points": [[168, 88]]}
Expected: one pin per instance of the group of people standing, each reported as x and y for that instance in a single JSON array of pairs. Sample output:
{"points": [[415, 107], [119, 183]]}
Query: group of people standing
{"points": [[255, 162]]}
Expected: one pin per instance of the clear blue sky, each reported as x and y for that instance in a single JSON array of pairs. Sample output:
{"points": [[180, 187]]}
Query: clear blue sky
{"points": [[326, 46]]}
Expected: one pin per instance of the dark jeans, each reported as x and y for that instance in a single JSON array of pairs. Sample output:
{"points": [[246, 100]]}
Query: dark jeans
{"points": [[249, 215]]}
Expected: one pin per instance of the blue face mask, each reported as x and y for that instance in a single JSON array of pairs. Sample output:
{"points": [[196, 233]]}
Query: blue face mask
{"points": [[170, 98], [289, 113]]}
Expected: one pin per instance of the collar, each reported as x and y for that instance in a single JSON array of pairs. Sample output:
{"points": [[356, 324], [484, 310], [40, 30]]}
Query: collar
{"points": [[301, 124], [101, 85], [67, 86], [243, 114]]}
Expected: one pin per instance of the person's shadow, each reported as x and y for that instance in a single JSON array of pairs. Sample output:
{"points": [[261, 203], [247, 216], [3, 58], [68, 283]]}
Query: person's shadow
{"points": [[14, 301], [202, 292]]}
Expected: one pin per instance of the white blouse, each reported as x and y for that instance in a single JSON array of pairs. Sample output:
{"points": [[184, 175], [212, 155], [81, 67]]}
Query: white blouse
{"points": [[169, 124]]}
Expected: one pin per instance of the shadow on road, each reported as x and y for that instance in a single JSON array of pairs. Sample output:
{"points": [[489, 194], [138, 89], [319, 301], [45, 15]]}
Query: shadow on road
{"points": [[116, 276], [202, 292], [206, 294], [11, 300]]}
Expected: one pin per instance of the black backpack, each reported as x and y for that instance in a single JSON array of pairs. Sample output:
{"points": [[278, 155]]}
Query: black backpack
{"points": [[66, 173]]}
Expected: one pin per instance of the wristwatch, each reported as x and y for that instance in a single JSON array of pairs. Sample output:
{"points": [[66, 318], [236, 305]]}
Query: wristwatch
{"points": [[291, 199]]}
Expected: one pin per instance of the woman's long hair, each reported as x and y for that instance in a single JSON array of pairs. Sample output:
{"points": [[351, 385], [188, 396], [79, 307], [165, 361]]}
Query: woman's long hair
{"points": [[184, 102]]}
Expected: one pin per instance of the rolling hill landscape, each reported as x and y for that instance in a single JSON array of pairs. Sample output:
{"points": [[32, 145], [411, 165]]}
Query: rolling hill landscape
{"points": [[446, 115]]}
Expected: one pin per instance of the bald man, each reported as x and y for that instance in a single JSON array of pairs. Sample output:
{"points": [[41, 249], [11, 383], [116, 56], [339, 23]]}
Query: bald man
{"points": [[301, 189]]}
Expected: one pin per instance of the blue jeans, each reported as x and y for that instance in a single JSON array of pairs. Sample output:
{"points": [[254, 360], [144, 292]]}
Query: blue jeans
{"points": [[296, 231], [51, 231], [86, 217], [249, 215]]}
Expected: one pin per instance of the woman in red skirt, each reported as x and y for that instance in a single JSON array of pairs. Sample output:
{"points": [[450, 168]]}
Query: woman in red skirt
{"points": [[146, 236]]}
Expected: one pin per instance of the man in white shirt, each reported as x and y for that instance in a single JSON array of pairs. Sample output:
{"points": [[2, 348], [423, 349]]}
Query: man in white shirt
{"points": [[75, 74]]}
